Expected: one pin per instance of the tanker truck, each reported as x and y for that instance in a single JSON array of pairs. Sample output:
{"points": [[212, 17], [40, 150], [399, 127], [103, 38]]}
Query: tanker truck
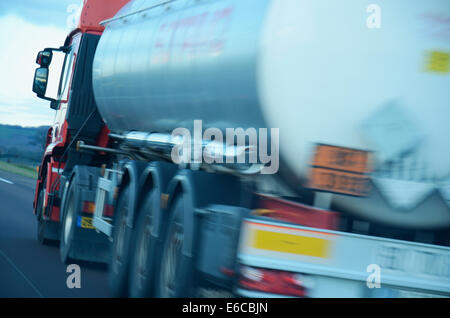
{"points": [[258, 148]]}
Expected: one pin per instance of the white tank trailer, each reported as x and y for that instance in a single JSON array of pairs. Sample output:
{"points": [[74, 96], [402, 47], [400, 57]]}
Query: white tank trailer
{"points": [[344, 73]]}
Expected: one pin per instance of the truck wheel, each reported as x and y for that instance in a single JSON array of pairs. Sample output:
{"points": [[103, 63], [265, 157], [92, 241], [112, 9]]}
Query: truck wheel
{"points": [[176, 277], [78, 239], [68, 224], [40, 221], [120, 253], [142, 269]]}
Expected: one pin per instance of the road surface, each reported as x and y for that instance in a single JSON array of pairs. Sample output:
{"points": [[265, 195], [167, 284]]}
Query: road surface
{"points": [[28, 269]]}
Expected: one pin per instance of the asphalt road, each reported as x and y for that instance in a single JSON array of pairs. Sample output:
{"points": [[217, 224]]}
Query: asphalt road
{"points": [[28, 269]]}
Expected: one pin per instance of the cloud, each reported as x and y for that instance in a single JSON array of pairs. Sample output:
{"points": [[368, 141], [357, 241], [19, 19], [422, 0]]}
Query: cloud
{"points": [[31, 115], [18, 48], [43, 12]]}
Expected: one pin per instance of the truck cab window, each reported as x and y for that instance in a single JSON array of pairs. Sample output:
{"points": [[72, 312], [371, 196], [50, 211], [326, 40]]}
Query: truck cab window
{"points": [[66, 74], [54, 74]]}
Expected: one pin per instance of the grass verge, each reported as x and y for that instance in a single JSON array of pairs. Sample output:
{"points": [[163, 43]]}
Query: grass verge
{"points": [[23, 170]]}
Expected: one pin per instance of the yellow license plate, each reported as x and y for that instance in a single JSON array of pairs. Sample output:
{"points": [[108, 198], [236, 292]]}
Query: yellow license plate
{"points": [[292, 244], [85, 223], [290, 241]]}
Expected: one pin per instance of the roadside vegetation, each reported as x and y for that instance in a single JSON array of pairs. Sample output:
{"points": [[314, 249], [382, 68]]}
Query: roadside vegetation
{"points": [[21, 149], [20, 169]]}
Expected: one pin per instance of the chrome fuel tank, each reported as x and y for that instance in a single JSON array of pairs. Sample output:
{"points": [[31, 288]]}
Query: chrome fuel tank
{"points": [[168, 63]]}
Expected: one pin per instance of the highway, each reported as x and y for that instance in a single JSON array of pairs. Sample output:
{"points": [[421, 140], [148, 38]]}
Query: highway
{"points": [[28, 269]]}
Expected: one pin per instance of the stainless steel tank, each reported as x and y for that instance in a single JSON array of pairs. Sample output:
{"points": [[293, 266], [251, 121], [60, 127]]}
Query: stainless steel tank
{"points": [[167, 66], [321, 71]]}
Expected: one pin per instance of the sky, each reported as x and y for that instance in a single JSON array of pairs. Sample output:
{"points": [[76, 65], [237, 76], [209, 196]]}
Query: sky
{"points": [[27, 27]]}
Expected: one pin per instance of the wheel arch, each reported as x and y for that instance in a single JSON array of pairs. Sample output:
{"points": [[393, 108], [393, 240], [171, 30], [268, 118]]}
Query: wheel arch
{"points": [[156, 177], [84, 175], [199, 189], [42, 173], [131, 172]]}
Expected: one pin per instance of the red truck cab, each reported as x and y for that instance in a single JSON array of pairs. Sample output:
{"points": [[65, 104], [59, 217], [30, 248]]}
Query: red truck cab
{"points": [[76, 112]]}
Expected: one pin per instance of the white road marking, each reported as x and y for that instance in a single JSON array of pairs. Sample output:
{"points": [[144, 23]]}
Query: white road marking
{"points": [[21, 274], [6, 181]]}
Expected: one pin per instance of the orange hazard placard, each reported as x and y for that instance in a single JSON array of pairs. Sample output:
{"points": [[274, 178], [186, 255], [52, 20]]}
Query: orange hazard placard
{"points": [[340, 170]]}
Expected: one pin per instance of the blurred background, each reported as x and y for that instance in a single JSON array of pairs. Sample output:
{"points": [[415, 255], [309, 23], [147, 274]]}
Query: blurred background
{"points": [[27, 27]]}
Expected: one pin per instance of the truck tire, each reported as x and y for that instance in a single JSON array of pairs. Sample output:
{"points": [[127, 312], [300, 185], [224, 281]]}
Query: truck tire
{"points": [[41, 223], [176, 277], [145, 251], [120, 250], [68, 224], [78, 239]]}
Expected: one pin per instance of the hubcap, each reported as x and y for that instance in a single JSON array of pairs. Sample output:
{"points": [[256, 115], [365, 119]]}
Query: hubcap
{"points": [[143, 248], [120, 240], [171, 259], [68, 221]]}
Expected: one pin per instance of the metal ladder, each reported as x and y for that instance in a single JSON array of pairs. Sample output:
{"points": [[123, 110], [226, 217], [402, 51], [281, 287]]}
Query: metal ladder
{"points": [[106, 184]]}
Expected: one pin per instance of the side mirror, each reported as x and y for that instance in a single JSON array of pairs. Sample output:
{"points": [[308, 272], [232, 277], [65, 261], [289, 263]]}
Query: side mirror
{"points": [[44, 58], [41, 76], [40, 81]]}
